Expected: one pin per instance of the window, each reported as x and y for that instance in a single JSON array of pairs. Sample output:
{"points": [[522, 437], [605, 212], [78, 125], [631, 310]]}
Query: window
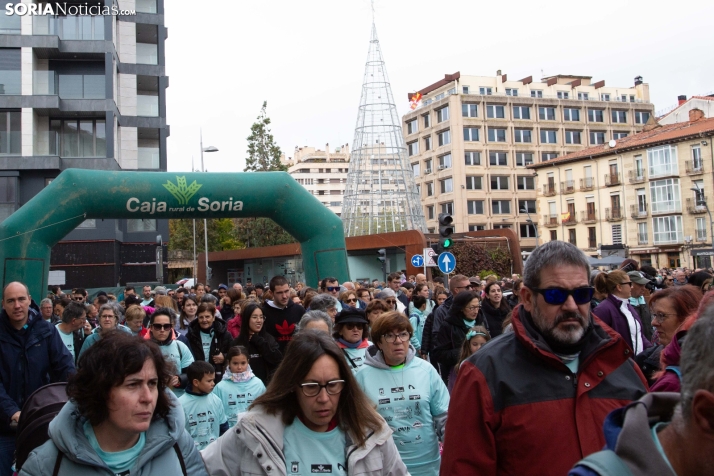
{"points": [[413, 148], [662, 161], [642, 238], [667, 230], [524, 158], [521, 112], [474, 182], [527, 230], [639, 168], [469, 110], [10, 70], [498, 158], [553, 235], [427, 166], [447, 208], [465, 89], [696, 157], [442, 114], [641, 200], [583, 96], [616, 234], [430, 212], [8, 196], [444, 137], [427, 143], [494, 111], [496, 134], [523, 135], [548, 136], [499, 182], [573, 137], [546, 113], [641, 117], [471, 134], [511, 92], [501, 207], [597, 137], [429, 189], [619, 135], [10, 132], [445, 161], [474, 207], [81, 138], [536, 93], [526, 182], [664, 196], [447, 185], [527, 206], [473, 158], [412, 126], [10, 24], [563, 95], [451, 91], [485, 91], [571, 114], [596, 115], [140, 224], [571, 237], [604, 97], [701, 229], [477, 227], [546, 156], [619, 117], [427, 120], [415, 169], [632, 98]]}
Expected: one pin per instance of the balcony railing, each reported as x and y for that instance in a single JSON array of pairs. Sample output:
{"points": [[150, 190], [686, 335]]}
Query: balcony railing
{"points": [[567, 187], [637, 176], [586, 184], [147, 106], [638, 211], [550, 220], [613, 214], [642, 238], [696, 206], [612, 179], [592, 244], [549, 189], [148, 158], [147, 53], [701, 235], [694, 167], [587, 217], [146, 6], [46, 143], [570, 218], [70, 27]]}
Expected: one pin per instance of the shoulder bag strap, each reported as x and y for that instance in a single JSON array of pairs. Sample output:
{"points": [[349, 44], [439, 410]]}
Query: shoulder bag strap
{"points": [[58, 463], [352, 362], [180, 458]]}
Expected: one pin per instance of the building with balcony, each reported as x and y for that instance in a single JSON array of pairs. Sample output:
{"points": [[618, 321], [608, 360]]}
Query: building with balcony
{"points": [[322, 172], [648, 193], [85, 92], [472, 138]]}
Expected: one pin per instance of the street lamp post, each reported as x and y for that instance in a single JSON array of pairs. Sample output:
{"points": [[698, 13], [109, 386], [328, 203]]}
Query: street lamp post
{"points": [[706, 207], [210, 148], [529, 220]]}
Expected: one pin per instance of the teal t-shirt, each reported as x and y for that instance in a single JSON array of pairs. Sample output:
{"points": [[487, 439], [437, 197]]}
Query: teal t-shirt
{"points": [[68, 340], [237, 396], [204, 416], [121, 462], [309, 452], [355, 357], [417, 319], [206, 339], [408, 398], [180, 356]]}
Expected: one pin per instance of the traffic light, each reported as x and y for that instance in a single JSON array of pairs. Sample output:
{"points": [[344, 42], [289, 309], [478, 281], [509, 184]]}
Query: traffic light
{"points": [[446, 229], [382, 252]]}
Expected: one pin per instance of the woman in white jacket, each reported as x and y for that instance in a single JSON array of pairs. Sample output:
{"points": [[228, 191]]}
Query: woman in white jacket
{"points": [[313, 418]]}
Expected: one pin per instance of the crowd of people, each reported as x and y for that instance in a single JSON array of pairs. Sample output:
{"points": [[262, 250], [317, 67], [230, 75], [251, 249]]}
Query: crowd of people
{"points": [[564, 370]]}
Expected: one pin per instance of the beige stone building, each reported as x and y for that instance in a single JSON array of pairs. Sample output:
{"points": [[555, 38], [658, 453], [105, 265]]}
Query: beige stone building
{"points": [[472, 137], [322, 172], [635, 192]]}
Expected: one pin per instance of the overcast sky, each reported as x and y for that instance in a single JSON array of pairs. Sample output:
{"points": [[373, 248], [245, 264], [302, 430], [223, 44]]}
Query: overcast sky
{"points": [[306, 58]]}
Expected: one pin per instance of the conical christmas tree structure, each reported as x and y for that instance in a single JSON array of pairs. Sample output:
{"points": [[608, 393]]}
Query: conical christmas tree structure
{"points": [[380, 195]]}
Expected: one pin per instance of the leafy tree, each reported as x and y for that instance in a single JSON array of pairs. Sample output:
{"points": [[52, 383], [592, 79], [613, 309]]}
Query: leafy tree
{"points": [[257, 232], [263, 153], [221, 235]]}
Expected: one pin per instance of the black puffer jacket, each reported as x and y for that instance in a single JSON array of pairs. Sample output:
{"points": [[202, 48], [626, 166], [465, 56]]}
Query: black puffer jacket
{"points": [[452, 334], [495, 316], [265, 355], [221, 342]]}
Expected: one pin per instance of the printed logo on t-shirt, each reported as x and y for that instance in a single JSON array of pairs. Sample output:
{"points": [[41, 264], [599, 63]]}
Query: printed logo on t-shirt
{"points": [[381, 391], [285, 330], [397, 389], [414, 397], [295, 467], [384, 401], [417, 424], [398, 399], [412, 387], [321, 468]]}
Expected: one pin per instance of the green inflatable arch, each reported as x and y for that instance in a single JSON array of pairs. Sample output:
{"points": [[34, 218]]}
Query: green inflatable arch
{"points": [[28, 235]]}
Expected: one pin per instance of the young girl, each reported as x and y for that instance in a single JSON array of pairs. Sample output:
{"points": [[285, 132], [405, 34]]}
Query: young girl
{"points": [[239, 386], [476, 337]]}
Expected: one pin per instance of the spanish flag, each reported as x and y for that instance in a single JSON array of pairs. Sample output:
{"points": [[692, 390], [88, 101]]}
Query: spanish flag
{"points": [[415, 100], [565, 216]]}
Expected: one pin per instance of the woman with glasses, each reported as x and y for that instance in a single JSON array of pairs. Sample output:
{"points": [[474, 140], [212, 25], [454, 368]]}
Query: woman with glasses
{"points": [[173, 346], [390, 297], [408, 392], [264, 352], [348, 299], [313, 418], [464, 314], [616, 310], [108, 321], [494, 308], [351, 330], [188, 313], [208, 339]]}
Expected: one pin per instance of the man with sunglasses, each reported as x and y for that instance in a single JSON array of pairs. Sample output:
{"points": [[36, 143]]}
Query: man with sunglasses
{"points": [[79, 295], [332, 287], [556, 376]]}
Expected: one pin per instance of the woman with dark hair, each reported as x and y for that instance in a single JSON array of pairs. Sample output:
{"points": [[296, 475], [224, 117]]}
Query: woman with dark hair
{"points": [[494, 308], [173, 346], [264, 351], [701, 280], [408, 392], [313, 415], [351, 331], [119, 419], [189, 308], [208, 338], [375, 308]]}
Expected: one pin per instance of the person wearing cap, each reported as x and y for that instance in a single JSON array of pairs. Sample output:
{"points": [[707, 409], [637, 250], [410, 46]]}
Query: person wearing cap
{"points": [[351, 330], [639, 301]]}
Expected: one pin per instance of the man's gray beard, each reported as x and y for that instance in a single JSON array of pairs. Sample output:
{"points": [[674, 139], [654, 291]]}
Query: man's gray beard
{"points": [[570, 335]]}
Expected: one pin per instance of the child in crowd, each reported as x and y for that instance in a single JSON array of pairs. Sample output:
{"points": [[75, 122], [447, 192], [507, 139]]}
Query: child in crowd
{"points": [[417, 318], [239, 386], [135, 316], [476, 338], [205, 419]]}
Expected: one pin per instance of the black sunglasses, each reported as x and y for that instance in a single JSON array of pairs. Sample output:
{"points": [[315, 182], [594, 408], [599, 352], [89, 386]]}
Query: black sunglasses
{"points": [[333, 288], [159, 327], [557, 296]]}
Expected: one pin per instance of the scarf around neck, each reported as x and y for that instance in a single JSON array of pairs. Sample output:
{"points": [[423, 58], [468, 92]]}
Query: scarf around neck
{"points": [[239, 377]]}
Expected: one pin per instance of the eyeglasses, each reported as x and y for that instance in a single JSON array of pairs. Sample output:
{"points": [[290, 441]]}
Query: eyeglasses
{"points": [[313, 389], [469, 286], [351, 300], [557, 296], [78, 299], [351, 325], [333, 288], [629, 283], [661, 316], [107, 317], [161, 327], [391, 301], [473, 308], [390, 338]]}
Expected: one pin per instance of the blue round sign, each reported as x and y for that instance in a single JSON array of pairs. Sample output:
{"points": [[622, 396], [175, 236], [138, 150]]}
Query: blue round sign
{"points": [[417, 261], [446, 262]]}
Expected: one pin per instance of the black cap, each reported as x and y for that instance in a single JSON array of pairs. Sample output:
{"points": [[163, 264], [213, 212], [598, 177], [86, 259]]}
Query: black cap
{"points": [[351, 314]]}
